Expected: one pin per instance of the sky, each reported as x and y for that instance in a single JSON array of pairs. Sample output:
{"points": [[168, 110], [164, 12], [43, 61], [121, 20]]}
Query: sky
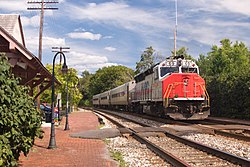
{"points": [[104, 32]]}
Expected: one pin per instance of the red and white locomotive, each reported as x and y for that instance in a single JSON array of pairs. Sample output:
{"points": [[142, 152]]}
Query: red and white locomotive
{"points": [[171, 88]]}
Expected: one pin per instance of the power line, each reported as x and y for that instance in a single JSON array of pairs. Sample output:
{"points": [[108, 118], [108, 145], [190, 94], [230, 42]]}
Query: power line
{"points": [[60, 49], [42, 8]]}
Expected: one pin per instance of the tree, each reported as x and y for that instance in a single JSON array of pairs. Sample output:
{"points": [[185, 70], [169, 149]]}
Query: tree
{"points": [[227, 73], [183, 51], [84, 89], [72, 78], [108, 78], [20, 122], [146, 61]]}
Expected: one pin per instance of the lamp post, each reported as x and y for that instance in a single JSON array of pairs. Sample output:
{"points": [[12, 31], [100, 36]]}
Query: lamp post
{"points": [[72, 96], [52, 141], [67, 105]]}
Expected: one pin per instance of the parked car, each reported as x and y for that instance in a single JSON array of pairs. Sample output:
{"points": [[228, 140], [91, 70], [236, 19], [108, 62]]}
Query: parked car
{"points": [[46, 110]]}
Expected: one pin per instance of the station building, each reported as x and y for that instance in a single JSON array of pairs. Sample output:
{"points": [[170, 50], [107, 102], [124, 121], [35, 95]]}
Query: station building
{"points": [[24, 64]]}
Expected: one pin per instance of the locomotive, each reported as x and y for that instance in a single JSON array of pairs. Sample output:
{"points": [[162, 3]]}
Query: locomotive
{"points": [[172, 88]]}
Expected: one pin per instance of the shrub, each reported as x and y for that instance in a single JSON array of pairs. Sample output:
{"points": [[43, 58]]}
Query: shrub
{"points": [[20, 122]]}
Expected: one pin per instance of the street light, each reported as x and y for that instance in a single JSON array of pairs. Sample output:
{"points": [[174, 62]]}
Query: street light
{"points": [[52, 142], [72, 96], [67, 104]]}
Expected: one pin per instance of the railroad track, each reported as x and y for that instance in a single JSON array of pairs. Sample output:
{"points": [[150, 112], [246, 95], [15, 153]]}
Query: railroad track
{"points": [[227, 121], [240, 134], [180, 150]]}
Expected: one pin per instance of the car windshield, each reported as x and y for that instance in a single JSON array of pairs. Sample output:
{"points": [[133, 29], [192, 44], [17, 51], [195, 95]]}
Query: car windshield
{"points": [[166, 70]]}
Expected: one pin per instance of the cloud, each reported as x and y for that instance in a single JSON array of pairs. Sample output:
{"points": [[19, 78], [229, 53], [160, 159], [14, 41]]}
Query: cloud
{"points": [[79, 29], [109, 48], [241, 6], [13, 5], [108, 37], [84, 61], [48, 42], [119, 14], [209, 21], [221, 6], [33, 21], [85, 35]]}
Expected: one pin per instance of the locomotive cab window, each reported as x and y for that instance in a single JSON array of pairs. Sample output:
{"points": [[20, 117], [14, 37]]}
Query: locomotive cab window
{"points": [[156, 74], [167, 70], [189, 70]]}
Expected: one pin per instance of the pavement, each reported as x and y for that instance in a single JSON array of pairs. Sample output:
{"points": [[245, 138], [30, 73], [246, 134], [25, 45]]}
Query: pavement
{"points": [[97, 134], [70, 151]]}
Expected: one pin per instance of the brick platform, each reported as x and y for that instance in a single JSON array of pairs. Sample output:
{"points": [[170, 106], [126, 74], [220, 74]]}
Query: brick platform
{"points": [[70, 151]]}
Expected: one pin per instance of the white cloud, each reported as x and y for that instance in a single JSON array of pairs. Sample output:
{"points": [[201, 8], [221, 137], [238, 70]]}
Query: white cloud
{"points": [[79, 29], [108, 37], [85, 35], [119, 14], [33, 21], [221, 6], [13, 5], [51, 41], [241, 6], [209, 21], [84, 61], [225, 23], [48, 42], [109, 48]]}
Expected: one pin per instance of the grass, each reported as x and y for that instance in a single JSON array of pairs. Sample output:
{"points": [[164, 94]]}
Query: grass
{"points": [[106, 141], [100, 126], [118, 157]]}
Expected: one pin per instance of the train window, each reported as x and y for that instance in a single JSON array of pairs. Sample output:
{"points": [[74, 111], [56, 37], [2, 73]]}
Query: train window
{"points": [[189, 70], [156, 74], [106, 97], [166, 70]]}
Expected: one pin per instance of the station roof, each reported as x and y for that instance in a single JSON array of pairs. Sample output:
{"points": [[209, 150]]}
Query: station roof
{"points": [[24, 64]]}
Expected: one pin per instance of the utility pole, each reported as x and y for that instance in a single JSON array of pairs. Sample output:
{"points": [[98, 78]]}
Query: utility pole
{"points": [[42, 8], [62, 50], [175, 30]]}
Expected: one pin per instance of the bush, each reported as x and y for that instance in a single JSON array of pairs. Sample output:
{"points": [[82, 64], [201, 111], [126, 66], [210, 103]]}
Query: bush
{"points": [[20, 122]]}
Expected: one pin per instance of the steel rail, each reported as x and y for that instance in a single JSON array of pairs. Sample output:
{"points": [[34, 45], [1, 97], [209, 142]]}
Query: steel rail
{"points": [[168, 157], [214, 151], [232, 135], [221, 154], [175, 161], [218, 120]]}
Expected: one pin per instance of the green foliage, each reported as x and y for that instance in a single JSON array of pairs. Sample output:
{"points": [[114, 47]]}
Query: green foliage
{"points": [[108, 78], [84, 89], [146, 61], [20, 122], [183, 51], [73, 89], [227, 72], [118, 157]]}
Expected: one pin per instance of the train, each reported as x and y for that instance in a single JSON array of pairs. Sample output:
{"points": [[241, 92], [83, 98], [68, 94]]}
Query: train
{"points": [[172, 88]]}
